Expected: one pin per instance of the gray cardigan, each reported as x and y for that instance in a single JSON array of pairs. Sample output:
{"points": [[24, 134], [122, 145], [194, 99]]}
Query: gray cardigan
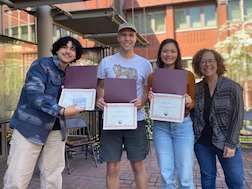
{"points": [[226, 113]]}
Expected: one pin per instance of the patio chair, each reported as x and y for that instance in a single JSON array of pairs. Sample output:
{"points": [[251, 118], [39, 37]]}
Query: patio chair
{"points": [[247, 117], [77, 129]]}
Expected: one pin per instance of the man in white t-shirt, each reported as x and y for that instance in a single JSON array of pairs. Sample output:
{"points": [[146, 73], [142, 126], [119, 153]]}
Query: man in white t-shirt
{"points": [[125, 64]]}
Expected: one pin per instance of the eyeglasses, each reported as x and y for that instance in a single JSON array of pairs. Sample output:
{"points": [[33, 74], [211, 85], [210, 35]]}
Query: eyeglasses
{"points": [[210, 61]]}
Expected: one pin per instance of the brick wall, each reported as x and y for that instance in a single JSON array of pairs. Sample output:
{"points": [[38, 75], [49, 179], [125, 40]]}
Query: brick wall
{"points": [[151, 3], [222, 17], [190, 41]]}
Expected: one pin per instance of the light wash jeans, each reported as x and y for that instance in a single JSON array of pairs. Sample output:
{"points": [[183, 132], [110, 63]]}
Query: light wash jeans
{"points": [[174, 144], [232, 167]]}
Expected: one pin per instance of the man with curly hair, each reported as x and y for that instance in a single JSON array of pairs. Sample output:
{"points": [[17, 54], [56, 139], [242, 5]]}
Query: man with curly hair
{"points": [[38, 125]]}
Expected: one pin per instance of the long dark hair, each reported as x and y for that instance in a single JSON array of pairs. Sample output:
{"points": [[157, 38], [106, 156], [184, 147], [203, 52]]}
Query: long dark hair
{"points": [[178, 62]]}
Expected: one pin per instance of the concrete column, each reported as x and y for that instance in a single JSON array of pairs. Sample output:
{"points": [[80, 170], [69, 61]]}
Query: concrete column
{"points": [[2, 20], [29, 30], [9, 23], [19, 27], [44, 31]]}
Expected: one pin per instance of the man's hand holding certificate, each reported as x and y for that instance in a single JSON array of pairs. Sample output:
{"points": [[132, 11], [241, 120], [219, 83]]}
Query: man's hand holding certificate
{"points": [[83, 97], [118, 112], [168, 102], [120, 116], [80, 87]]}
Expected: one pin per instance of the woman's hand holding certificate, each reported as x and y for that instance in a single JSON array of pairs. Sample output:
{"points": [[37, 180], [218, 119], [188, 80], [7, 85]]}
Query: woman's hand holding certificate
{"points": [[169, 94], [167, 107]]}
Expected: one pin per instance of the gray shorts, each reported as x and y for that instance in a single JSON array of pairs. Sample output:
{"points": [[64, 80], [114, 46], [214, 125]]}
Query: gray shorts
{"points": [[135, 143]]}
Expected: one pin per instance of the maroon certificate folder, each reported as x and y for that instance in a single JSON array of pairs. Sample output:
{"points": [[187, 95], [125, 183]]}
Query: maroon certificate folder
{"points": [[81, 77], [119, 90], [169, 81]]}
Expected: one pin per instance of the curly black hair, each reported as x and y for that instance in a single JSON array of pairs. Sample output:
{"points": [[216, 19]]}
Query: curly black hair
{"points": [[63, 41], [178, 62], [197, 59]]}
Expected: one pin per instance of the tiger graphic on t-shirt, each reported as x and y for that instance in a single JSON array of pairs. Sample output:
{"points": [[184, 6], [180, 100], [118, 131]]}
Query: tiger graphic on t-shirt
{"points": [[130, 73]]}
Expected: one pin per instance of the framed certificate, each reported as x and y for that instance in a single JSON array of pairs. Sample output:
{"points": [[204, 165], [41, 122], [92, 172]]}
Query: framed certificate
{"points": [[167, 107], [83, 97], [117, 116]]}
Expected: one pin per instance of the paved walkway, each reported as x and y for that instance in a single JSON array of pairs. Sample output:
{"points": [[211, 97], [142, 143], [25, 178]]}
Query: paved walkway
{"points": [[86, 176]]}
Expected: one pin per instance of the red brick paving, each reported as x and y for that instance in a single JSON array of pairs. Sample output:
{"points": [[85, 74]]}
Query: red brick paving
{"points": [[86, 176]]}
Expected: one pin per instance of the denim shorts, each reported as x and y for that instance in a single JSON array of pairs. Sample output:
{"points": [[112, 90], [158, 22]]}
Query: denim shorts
{"points": [[135, 142]]}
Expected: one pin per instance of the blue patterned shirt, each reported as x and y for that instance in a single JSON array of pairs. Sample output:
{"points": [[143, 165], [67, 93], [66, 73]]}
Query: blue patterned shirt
{"points": [[38, 107]]}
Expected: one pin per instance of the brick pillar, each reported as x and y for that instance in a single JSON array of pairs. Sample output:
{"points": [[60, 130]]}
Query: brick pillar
{"points": [[222, 18], [170, 22]]}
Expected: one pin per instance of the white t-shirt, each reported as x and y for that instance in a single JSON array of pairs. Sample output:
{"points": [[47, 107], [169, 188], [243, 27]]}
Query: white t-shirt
{"points": [[115, 66]]}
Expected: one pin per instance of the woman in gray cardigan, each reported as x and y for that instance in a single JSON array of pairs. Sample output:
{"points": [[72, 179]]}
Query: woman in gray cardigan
{"points": [[217, 119]]}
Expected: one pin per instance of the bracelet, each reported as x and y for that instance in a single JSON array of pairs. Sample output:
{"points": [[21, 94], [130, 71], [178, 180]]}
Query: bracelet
{"points": [[63, 112]]}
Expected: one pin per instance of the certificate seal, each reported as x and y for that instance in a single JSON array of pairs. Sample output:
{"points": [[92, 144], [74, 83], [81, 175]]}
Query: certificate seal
{"points": [[166, 113]]}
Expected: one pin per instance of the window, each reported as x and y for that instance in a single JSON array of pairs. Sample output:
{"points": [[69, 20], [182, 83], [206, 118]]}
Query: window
{"points": [[24, 33], [32, 32], [197, 17], [6, 32], [15, 32], [180, 18], [75, 36], [209, 16], [60, 32], [20, 25], [187, 64], [64, 32], [56, 33], [248, 9], [159, 21], [146, 23], [150, 22], [234, 10], [135, 21]]}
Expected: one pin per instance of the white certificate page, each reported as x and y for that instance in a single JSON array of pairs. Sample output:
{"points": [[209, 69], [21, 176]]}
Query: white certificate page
{"points": [[118, 116], [83, 97], [167, 107]]}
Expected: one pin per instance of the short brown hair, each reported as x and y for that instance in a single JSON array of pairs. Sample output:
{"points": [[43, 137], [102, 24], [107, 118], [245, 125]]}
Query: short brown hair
{"points": [[197, 59]]}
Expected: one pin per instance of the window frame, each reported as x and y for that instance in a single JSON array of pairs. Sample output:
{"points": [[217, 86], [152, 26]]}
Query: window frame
{"points": [[239, 20], [141, 20], [188, 19]]}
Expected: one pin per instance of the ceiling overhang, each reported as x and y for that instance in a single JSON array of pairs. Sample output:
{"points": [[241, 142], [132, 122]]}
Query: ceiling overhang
{"points": [[111, 40], [98, 25]]}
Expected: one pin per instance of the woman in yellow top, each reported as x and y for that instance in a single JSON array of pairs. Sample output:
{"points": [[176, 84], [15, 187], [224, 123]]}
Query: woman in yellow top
{"points": [[174, 141]]}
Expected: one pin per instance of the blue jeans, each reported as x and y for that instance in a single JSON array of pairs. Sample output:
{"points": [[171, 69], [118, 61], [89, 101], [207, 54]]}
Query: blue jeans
{"points": [[174, 144], [232, 167]]}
